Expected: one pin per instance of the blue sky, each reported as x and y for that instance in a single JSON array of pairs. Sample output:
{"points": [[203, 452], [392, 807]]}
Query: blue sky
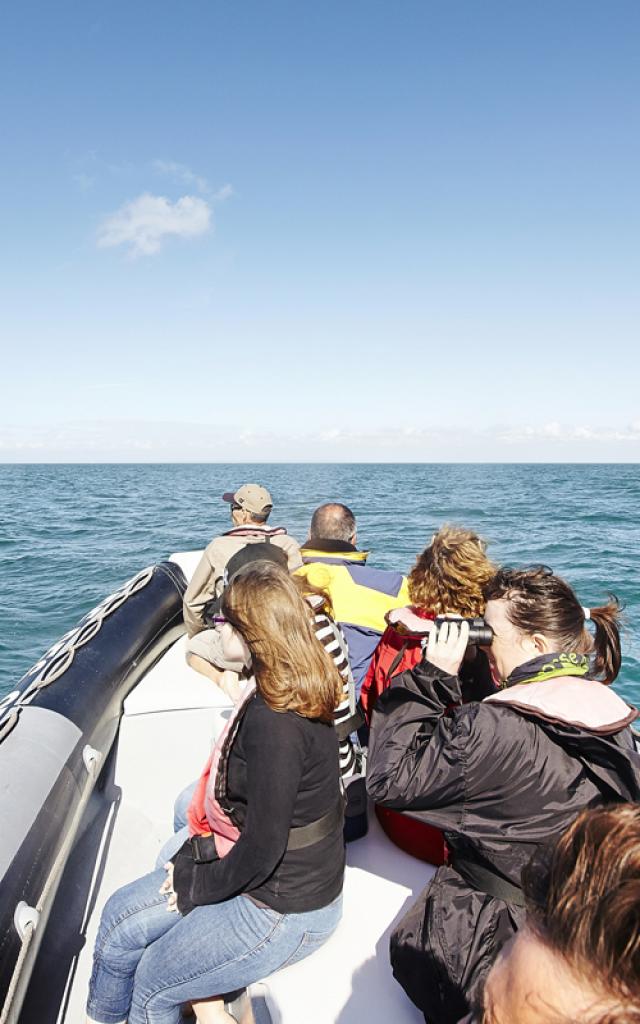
{"points": [[346, 230]]}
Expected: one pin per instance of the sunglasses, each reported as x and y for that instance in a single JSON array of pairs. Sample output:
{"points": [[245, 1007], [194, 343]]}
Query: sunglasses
{"points": [[220, 620]]}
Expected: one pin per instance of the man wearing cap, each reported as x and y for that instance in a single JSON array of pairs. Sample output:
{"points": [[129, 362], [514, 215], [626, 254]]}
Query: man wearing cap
{"points": [[250, 507]]}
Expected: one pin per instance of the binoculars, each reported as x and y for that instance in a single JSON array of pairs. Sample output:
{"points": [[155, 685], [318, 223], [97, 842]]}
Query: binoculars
{"points": [[479, 632]]}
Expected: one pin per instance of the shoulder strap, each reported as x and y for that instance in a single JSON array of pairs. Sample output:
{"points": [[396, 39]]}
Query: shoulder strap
{"points": [[221, 780], [350, 724], [396, 661], [484, 879]]}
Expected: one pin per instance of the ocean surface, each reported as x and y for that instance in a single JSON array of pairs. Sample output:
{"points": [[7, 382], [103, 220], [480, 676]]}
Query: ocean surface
{"points": [[70, 534]]}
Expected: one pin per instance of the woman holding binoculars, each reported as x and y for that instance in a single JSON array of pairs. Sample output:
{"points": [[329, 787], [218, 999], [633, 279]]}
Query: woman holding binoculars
{"points": [[501, 776]]}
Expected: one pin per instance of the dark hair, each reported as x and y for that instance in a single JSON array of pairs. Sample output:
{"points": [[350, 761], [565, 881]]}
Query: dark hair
{"points": [[583, 903], [332, 521], [539, 602]]}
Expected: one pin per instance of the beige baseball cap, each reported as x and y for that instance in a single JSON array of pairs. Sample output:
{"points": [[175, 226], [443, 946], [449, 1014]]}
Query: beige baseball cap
{"points": [[253, 497]]}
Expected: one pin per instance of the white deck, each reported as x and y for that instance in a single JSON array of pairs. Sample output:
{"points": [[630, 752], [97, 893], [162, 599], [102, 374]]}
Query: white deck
{"points": [[166, 732]]}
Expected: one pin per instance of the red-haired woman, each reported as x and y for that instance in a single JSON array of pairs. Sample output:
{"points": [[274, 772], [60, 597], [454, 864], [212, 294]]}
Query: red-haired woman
{"points": [[448, 578]]}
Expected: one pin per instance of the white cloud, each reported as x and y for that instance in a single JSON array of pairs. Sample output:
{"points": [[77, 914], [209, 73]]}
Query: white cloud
{"points": [[144, 223], [393, 437], [184, 174], [224, 193], [554, 431], [130, 441]]}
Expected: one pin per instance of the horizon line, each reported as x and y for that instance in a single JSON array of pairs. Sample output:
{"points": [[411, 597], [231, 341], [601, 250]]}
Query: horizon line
{"points": [[323, 462]]}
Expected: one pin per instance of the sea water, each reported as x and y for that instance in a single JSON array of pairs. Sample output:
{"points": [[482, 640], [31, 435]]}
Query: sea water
{"points": [[70, 534]]}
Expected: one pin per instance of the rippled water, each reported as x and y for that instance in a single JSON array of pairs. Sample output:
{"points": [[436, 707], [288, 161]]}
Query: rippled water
{"points": [[71, 534]]}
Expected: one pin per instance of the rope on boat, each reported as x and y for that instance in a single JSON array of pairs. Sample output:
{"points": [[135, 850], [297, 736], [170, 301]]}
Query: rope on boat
{"points": [[55, 662], [93, 760], [8, 724], [59, 657]]}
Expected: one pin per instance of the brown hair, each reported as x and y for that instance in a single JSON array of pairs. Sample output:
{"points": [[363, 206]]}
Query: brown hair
{"points": [[451, 572], [583, 902], [539, 602], [293, 671]]}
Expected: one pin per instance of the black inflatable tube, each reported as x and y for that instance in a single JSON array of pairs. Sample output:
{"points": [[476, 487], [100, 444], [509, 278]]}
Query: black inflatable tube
{"points": [[89, 693]]}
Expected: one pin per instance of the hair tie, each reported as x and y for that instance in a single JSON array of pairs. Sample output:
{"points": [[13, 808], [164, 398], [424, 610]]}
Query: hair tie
{"points": [[587, 614]]}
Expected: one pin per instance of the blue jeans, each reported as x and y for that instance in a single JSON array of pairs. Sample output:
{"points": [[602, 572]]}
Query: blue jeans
{"points": [[181, 806], [147, 961], [172, 846], [180, 828]]}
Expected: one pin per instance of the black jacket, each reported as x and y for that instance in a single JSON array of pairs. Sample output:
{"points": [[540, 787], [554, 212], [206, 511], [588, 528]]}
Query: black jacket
{"points": [[500, 778], [281, 772]]}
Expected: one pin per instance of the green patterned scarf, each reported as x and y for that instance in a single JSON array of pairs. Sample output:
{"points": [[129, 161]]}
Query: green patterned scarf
{"points": [[548, 666]]}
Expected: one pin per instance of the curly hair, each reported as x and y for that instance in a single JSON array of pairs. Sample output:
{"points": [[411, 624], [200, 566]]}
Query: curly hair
{"points": [[451, 573]]}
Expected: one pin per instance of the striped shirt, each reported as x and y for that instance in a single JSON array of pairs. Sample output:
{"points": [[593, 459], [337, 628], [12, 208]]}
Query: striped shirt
{"points": [[332, 639]]}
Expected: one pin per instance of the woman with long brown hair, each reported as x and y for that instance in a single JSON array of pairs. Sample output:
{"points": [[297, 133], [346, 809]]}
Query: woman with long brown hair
{"points": [[501, 776], [258, 883]]}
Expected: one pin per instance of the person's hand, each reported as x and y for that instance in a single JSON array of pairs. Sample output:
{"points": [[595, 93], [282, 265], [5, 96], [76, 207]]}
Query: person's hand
{"points": [[166, 889], [167, 885], [446, 646]]}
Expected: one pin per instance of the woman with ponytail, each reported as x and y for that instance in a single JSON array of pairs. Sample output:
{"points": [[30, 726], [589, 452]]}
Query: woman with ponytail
{"points": [[502, 776]]}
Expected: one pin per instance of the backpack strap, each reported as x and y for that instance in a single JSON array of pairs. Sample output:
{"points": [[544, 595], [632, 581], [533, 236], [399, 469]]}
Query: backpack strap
{"points": [[210, 610], [394, 664], [350, 724]]}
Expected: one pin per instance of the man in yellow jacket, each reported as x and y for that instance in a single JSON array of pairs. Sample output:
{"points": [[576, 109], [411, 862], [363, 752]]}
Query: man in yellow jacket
{"points": [[361, 596]]}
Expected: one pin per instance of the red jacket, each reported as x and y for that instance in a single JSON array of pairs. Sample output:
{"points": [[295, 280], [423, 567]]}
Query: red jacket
{"points": [[398, 649]]}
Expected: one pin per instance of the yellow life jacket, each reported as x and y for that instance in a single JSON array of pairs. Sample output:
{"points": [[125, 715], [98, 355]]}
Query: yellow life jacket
{"points": [[360, 595]]}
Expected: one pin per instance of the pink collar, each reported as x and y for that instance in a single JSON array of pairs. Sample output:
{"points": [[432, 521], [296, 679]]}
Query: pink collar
{"points": [[571, 700]]}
